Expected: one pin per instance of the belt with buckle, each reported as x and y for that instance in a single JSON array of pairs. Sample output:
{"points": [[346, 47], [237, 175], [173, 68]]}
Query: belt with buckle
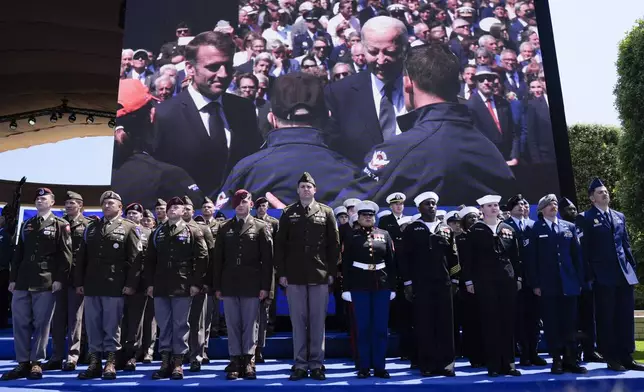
{"points": [[369, 267]]}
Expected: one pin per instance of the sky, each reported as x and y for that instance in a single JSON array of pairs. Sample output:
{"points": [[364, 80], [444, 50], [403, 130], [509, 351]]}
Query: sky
{"points": [[586, 37]]}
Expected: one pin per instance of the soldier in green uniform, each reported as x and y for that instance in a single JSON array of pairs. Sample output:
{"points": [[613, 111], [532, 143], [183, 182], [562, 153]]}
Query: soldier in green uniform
{"points": [[267, 308], [211, 317], [307, 248], [135, 304], [148, 220], [149, 322], [40, 267], [160, 210], [242, 278], [68, 315], [197, 339], [175, 267], [107, 267]]}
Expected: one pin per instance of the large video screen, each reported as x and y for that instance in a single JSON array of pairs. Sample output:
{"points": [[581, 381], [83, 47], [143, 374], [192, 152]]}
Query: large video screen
{"points": [[212, 72]]}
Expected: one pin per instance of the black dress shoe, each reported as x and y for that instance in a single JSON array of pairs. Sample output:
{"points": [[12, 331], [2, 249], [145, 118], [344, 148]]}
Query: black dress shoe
{"points": [[259, 357], [512, 372], [476, 365], [70, 366], [381, 373], [632, 365], [557, 367], [53, 365], [298, 374], [491, 373], [363, 373], [205, 360], [525, 362], [538, 361], [573, 367], [615, 366], [593, 356], [427, 373], [195, 366], [318, 374]]}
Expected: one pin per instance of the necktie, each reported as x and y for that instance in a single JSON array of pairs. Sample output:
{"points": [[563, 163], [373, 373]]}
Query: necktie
{"points": [[387, 115], [216, 125], [521, 225], [490, 108], [553, 227]]}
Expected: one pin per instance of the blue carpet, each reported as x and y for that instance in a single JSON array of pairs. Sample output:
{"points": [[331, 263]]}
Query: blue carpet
{"points": [[340, 378]]}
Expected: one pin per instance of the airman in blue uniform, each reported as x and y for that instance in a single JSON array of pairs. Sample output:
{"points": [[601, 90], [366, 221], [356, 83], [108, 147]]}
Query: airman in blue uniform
{"points": [[607, 254], [555, 274]]}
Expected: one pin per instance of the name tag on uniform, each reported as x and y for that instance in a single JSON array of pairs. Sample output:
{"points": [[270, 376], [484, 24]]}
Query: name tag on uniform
{"points": [[543, 236], [294, 215], [597, 224]]}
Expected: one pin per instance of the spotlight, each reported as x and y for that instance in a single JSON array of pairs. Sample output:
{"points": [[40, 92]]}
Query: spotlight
{"points": [[111, 123], [72, 118], [13, 125], [90, 119], [32, 121], [53, 118]]}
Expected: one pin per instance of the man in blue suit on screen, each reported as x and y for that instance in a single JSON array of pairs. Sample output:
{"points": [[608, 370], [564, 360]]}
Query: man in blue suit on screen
{"points": [[608, 258]]}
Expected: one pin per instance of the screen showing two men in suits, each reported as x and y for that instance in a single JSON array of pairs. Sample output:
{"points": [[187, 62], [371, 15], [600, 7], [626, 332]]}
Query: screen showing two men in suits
{"points": [[207, 132]]}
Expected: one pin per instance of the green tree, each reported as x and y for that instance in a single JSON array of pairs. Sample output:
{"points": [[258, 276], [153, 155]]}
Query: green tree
{"points": [[629, 100], [594, 151]]}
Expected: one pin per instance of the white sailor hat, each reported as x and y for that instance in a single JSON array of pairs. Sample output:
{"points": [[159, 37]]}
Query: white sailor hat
{"points": [[468, 210], [454, 214], [488, 199], [340, 210], [486, 23], [351, 203], [425, 196], [396, 197], [441, 213], [367, 206], [465, 9], [249, 10], [383, 213], [397, 8]]}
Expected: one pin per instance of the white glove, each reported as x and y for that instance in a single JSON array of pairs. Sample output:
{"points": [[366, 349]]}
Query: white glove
{"points": [[392, 295], [346, 296]]}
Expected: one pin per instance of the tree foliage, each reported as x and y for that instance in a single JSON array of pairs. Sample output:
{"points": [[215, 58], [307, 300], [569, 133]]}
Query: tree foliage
{"points": [[629, 100], [594, 153]]}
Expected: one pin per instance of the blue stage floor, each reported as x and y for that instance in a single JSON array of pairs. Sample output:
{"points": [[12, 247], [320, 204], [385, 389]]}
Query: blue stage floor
{"points": [[341, 377]]}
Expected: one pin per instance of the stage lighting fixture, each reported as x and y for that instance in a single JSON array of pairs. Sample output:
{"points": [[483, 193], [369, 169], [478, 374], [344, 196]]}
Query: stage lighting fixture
{"points": [[32, 121], [90, 120], [111, 123], [72, 118], [13, 125], [53, 118]]}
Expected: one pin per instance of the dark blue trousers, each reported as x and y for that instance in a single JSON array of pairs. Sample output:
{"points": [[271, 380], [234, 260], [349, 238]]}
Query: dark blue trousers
{"points": [[559, 315], [614, 307], [371, 316]]}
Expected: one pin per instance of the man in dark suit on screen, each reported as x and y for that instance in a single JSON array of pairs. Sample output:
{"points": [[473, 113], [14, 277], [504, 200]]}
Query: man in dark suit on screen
{"points": [[492, 116], [364, 106], [204, 130]]}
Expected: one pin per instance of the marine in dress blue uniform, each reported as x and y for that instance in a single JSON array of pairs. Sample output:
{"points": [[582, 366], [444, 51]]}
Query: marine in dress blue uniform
{"points": [[608, 257], [492, 271], [369, 282], [427, 263], [586, 302], [527, 329], [554, 272]]}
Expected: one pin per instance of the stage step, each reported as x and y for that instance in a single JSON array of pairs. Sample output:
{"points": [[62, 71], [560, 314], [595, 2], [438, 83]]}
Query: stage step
{"points": [[340, 378]]}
